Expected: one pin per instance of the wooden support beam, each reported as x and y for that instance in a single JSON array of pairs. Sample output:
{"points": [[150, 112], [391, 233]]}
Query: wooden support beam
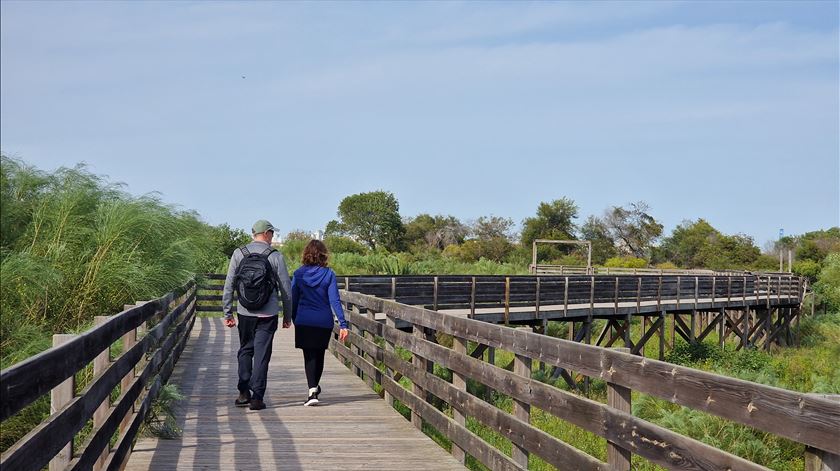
{"points": [[459, 381], [100, 364], [618, 397], [521, 409], [60, 396], [819, 460], [640, 345]]}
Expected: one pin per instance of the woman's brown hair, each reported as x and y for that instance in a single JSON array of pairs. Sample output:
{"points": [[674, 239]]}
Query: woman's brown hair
{"points": [[315, 253]]}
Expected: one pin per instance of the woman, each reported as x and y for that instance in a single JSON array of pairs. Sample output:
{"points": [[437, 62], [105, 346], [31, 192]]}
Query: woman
{"points": [[314, 301]]}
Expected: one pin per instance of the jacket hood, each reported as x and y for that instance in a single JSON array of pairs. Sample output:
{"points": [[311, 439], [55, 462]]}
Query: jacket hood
{"points": [[312, 275]]}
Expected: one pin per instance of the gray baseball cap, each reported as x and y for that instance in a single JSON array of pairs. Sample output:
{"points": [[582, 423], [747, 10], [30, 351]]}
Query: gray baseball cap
{"points": [[262, 226]]}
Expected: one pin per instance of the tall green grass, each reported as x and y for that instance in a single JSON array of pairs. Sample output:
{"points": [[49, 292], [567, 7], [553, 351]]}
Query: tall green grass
{"points": [[74, 246]]}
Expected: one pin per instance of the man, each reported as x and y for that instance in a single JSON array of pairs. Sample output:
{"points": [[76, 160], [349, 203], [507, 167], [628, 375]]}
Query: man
{"points": [[257, 323]]}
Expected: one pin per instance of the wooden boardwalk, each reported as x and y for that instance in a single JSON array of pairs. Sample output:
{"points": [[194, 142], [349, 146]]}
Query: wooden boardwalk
{"points": [[352, 429]]}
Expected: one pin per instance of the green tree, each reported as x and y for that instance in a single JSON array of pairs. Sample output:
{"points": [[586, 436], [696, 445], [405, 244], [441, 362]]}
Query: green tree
{"points": [[554, 220], [828, 283], [817, 245], [434, 232], [229, 239], [603, 246], [632, 229], [373, 218], [493, 237], [699, 245], [493, 227], [685, 243]]}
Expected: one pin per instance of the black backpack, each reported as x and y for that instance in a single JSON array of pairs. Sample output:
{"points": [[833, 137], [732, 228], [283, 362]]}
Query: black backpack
{"points": [[255, 279]]}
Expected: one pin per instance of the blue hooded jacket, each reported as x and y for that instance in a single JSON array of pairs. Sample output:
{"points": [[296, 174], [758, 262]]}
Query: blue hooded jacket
{"points": [[315, 298]]}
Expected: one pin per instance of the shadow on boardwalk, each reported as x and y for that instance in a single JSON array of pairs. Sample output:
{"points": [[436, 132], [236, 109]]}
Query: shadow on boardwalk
{"points": [[353, 429]]}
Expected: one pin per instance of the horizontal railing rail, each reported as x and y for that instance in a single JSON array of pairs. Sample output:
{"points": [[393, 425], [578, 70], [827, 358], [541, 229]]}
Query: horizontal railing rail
{"points": [[144, 365], [548, 269], [595, 293], [803, 418]]}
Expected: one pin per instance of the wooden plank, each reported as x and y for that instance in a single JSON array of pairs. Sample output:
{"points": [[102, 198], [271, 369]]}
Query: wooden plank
{"points": [[286, 435]]}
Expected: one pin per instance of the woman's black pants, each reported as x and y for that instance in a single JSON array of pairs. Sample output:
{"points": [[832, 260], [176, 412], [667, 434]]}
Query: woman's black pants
{"points": [[313, 362]]}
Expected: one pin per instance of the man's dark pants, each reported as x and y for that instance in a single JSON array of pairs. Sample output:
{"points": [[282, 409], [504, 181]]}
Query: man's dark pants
{"points": [[255, 337]]}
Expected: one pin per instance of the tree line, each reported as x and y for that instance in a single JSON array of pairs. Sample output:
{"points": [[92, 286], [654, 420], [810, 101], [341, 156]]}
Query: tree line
{"points": [[622, 236]]}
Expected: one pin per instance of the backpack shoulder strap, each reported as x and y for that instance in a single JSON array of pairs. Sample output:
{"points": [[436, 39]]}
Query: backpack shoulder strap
{"points": [[268, 251], [245, 251]]}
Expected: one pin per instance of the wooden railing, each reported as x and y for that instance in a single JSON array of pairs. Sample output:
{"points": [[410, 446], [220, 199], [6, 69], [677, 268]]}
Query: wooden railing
{"points": [[600, 294], [806, 419], [548, 269], [153, 334]]}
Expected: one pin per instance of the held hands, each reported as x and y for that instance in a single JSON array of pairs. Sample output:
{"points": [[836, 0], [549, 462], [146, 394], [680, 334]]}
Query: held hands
{"points": [[230, 322], [342, 334]]}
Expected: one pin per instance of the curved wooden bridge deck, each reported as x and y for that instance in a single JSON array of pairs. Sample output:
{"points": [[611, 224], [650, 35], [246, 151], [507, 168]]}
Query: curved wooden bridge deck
{"points": [[353, 428]]}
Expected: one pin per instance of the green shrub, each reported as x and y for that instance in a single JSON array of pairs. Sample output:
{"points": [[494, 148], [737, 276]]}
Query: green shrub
{"points": [[340, 244], [807, 268], [828, 283], [626, 262]]}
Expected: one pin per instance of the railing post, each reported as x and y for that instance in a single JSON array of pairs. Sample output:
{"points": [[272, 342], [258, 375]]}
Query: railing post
{"points": [[129, 340], [639, 295], [459, 381], [420, 363], [355, 329], [521, 410], [100, 364], [661, 335], [618, 397], [566, 297], [367, 335], [435, 295], [679, 279], [819, 460], [537, 303], [472, 299], [615, 310], [507, 300], [59, 397], [389, 347], [659, 294]]}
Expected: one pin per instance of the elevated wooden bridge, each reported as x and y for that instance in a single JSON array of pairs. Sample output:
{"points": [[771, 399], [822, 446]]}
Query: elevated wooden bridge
{"points": [[401, 327]]}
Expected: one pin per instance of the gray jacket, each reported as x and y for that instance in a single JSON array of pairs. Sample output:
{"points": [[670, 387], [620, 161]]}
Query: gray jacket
{"points": [[271, 308]]}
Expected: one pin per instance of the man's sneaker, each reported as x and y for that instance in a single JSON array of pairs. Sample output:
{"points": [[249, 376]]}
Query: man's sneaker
{"points": [[257, 404], [243, 400], [313, 396]]}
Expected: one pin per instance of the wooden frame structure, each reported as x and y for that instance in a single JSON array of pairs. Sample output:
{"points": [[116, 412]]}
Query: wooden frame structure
{"points": [[535, 268]]}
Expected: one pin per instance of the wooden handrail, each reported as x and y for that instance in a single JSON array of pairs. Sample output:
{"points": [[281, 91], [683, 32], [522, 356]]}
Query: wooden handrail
{"points": [[163, 342], [789, 414]]}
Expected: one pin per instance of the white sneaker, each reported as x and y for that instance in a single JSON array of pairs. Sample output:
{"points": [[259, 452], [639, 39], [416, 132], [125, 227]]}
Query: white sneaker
{"points": [[313, 397]]}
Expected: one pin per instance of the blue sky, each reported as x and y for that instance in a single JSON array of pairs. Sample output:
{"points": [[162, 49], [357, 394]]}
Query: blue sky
{"points": [[722, 110]]}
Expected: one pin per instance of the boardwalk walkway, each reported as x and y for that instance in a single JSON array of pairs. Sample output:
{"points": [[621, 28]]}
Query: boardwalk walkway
{"points": [[352, 429]]}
